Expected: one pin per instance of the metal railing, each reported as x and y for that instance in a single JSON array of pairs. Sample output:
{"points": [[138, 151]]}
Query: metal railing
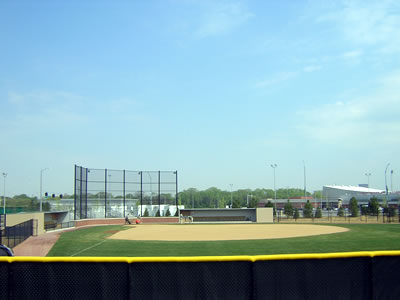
{"points": [[13, 235], [54, 226]]}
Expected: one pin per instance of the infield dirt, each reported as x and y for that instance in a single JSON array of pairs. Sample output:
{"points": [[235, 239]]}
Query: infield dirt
{"points": [[213, 232]]}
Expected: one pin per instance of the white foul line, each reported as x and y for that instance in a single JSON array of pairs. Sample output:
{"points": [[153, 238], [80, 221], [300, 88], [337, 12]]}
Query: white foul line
{"points": [[88, 248]]}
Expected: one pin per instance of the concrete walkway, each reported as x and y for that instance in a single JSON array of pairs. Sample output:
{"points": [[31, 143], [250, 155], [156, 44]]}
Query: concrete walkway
{"points": [[42, 244], [37, 245]]}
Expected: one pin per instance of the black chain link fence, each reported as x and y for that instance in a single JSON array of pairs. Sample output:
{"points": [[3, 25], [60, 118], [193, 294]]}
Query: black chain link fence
{"points": [[104, 193], [342, 277], [11, 236]]}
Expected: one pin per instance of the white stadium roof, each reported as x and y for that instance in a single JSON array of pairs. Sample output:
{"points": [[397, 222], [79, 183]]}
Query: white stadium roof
{"points": [[358, 189]]}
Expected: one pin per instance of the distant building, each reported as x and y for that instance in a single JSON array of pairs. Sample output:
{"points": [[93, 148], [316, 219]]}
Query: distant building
{"points": [[297, 202], [335, 193]]}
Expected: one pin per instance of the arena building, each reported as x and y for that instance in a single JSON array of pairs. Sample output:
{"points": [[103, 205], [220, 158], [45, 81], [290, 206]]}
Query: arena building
{"points": [[334, 194]]}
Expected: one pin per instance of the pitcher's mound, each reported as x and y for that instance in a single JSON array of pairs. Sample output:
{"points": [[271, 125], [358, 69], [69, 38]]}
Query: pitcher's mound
{"points": [[223, 232]]}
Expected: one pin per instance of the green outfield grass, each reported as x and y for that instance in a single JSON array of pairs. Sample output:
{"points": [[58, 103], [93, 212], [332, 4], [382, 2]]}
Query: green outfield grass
{"points": [[361, 237]]}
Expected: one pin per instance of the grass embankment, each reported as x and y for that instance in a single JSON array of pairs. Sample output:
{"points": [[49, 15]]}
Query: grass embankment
{"points": [[361, 237]]}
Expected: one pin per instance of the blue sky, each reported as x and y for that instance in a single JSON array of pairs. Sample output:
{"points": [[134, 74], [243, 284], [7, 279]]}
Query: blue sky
{"points": [[218, 90]]}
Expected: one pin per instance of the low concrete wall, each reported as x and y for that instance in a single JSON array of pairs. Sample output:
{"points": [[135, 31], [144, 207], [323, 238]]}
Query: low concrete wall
{"points": [[121, 221], [160, 220], [14, 219], [265, 215], [220, 214]]}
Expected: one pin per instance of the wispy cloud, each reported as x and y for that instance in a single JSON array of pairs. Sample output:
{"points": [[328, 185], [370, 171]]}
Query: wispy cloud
{"points": [[311, 68], [276, 79], [44, 110], [351, 55], [368, 23], [222, 19], [281, 77], [358, 122]]}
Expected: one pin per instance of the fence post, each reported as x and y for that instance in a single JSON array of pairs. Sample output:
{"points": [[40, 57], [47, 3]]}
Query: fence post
{"points": [[124, 192], [105, 193]]}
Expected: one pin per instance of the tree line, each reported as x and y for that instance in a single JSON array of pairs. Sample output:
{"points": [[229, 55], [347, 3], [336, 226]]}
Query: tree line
{"points": [[24, 203], [216, 198]]}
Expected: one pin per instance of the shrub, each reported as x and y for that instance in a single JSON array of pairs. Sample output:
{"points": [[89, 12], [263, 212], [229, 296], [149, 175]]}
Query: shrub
{"points": [[146, 213], [340, 212], [318, 213], [307, 212], [296, 214]]}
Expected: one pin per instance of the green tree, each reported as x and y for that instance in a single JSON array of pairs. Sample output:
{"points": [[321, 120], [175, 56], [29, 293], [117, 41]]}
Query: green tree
{"points": [[45, 206], [158, 213], [288, 209], [340, 212], [317, 194], [318, 213], [177, 213], [236, 203], [168, 213], [269, 204], [364, 210], [353, 207], [296, 214], [373, 206], [146, 213], [392, 211], [308, 210]]}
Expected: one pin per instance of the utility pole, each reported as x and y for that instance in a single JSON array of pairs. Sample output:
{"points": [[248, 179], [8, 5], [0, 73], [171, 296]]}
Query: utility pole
{"points": [[391, 180], [273, 166], [231, 195], [41, 195], [305, 191], [4, 194]]}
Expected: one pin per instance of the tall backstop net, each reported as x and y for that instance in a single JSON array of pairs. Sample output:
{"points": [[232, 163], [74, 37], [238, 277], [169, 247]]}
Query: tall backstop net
{"points": [[104, 193]]}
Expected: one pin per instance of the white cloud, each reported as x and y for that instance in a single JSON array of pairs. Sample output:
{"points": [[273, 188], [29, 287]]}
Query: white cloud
{"points": [[222, 19], [358, 122], [352, 54], [277, 79], [367, 23], [285, 76], [311, 68]]}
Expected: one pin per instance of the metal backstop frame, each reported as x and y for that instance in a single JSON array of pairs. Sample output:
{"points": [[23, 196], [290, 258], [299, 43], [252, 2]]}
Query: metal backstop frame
{"points": [[106, 193]]}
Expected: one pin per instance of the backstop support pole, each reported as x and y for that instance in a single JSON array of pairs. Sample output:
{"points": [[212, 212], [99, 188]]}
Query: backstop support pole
{"points": [[105, 193], [141, 193], [176, 191], [124, 193]]}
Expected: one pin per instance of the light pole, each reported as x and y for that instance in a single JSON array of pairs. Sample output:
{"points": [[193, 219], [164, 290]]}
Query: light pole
{"points": [[368, 174], [4, 195], [391, 180], [305, 191], [231, 195], [387, 166], [41, 195], [151, 191], [273, 166], [249, 195]]}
